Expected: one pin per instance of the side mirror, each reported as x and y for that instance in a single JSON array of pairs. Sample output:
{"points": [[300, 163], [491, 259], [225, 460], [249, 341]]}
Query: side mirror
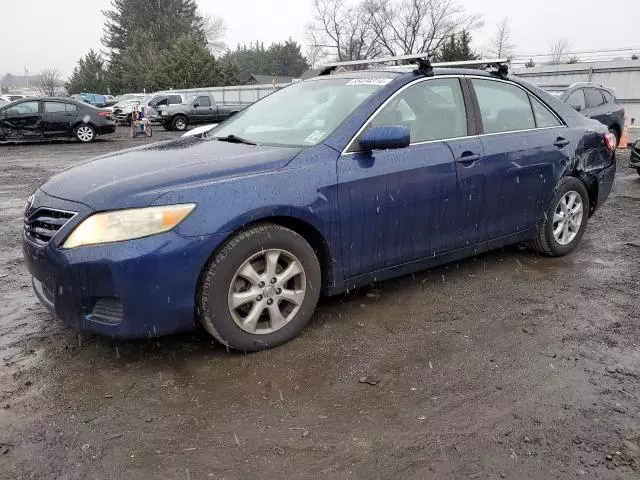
{"points": [[576, 107], [196, 105], [385, 137]]}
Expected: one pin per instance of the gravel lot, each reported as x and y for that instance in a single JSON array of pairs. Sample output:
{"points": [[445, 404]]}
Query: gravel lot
{"points": [[507, 365]]}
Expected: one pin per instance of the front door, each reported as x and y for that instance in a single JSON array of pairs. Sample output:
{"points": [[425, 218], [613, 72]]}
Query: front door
{"points": [[22, 120], [398, 206], [203, 110], [525, 150], [58, 118]]}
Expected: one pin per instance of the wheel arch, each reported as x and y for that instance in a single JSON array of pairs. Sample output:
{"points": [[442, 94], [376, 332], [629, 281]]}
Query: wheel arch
{"points": [[302, 227], [591, 184]]}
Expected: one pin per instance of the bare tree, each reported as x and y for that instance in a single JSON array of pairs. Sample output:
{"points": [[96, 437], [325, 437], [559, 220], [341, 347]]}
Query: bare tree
{"points": [[314, 51], [501, 44], [559, 50], [48, 82], [403, 27], [215, 29], [345, 30]]}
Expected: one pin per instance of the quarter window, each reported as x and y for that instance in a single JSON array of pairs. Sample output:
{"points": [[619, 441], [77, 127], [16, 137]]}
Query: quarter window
{"points": [[503, 107], [576, 99], [432, 110], [608, 96], [544, 117]]}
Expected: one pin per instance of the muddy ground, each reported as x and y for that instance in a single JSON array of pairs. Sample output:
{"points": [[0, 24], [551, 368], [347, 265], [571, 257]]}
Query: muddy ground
{"points": [[507, 365]]}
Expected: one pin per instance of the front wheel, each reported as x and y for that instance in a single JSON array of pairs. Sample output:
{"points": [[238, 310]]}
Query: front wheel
{"points": [[261, 288], [565, 221], [85, 133]]}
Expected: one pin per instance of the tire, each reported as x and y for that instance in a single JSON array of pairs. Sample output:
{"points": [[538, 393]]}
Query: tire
{"points": [[554, 245], [180, 123], [638, 170], [222, 281], [85, 133]]}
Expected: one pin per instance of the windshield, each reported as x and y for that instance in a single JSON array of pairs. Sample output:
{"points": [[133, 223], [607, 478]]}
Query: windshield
{"points": [[303, 114]]}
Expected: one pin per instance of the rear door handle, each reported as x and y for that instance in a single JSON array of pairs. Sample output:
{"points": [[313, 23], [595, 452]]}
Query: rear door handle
{"points": [[467, 159], [561, 142]]}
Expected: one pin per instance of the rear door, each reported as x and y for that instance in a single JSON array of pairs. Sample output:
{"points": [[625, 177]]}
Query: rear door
{"points": [[23, 120], [577, 101], [525, 150], [57, 118], [398, 206]]}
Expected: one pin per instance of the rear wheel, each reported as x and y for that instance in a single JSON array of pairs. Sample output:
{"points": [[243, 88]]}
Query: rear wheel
{"points": [[565, 221], [261, 288], [638, 170], [180, 123], [85, 133]]}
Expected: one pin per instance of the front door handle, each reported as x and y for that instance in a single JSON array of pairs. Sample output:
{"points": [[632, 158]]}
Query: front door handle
{"points": [[467, 158], [561, 142]]}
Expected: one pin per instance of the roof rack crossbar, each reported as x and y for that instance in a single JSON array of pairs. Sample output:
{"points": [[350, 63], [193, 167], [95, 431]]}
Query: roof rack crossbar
{"points": [[424, 65]]}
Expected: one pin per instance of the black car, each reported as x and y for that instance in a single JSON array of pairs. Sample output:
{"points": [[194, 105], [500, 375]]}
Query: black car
{"points": [[635, 156], [594, 101], [46, 118]]}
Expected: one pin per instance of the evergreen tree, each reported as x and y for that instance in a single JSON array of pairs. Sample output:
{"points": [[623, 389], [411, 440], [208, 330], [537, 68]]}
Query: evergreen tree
{"points": [[457, 48], [188, 63], [164, 21], [280, 59], [89, 75]]}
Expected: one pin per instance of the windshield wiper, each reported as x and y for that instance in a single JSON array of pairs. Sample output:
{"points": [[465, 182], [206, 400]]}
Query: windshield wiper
{"points": [[235, 139]]}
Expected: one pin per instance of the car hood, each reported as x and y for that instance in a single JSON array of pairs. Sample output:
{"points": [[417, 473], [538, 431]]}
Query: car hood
{"points": [[137, 176]]}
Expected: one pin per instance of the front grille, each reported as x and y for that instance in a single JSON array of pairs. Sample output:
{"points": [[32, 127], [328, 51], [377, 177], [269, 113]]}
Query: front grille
{"points": [[107, 310], [44, 223]]}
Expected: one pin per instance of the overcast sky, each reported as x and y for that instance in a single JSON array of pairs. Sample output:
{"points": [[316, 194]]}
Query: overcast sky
{"points": [[54, 34]]}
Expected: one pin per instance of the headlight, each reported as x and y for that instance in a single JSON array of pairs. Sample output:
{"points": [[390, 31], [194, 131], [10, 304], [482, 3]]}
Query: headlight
{"points": [[164, 112], [120, 225]]}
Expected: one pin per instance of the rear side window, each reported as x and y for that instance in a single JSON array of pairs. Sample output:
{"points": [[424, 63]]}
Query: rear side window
{"points": [[544, 117], [594, 97], [503, 107], [608, 96], [174, 99], [71, 108], [54, 107], [576, 99], [432, 110]]}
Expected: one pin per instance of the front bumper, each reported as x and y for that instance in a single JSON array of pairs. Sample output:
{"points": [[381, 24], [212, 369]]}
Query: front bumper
{"points": [[147, 287]]}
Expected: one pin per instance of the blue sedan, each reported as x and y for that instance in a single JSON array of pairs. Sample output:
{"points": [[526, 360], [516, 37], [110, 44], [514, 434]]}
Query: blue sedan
{"points": [[326, 185]]}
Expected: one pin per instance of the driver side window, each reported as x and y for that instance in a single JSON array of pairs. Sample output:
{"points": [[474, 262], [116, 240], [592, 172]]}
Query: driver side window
{"points": [[431, 109]]}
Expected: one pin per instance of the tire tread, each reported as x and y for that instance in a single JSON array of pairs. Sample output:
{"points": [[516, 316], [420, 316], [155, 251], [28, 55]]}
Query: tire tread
{"points": [[211, 269]]}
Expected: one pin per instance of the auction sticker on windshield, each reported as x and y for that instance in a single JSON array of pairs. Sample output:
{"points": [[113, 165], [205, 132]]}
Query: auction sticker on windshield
{"points": [[368, 81], [315, 137]]}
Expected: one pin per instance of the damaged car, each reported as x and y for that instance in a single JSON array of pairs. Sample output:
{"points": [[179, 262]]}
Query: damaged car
{"points": [[324, 186]]}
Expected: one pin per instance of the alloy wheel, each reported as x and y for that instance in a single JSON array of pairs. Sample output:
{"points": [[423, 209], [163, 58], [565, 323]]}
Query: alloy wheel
{"points": [[567, 217], [267, 291], [85, 133]]}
